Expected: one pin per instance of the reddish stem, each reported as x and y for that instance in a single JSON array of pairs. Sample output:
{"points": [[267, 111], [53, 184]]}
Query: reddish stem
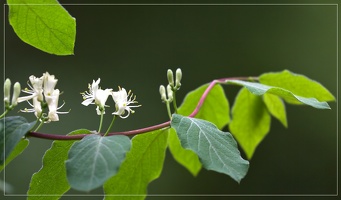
{"points": [[142, 130]]}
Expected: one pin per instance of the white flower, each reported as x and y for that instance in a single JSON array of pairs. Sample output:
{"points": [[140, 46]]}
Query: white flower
{"points": [[36, 89], [36, 107], [42, 93], [96, 96], [49, 83], [52, 102], [123, 101]]}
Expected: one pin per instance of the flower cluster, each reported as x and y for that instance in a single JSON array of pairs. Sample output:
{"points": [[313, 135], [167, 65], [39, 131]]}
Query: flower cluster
{"points": [[171, 87], [98, 96], [43, 94]]}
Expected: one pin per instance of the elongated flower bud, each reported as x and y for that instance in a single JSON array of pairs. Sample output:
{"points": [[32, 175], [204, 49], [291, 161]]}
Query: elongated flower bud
{"points": [[163, 93], [7, 91], [16, 93], [169, 93], [170, 78], [178, 77]]}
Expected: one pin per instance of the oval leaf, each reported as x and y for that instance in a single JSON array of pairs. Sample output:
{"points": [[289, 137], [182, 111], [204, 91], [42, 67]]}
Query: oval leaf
{"points": [[250, 121], [43, 183], [44, 24], [95, 159], [143, 164], [217, 150], [215, 109], [288, 96], [297, 84], [12, 129]]}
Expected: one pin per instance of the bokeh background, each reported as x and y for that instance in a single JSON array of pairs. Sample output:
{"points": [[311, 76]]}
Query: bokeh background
{"points": [[133, 45]]}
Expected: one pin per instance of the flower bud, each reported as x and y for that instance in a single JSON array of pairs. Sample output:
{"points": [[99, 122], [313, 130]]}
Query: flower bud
{"points": [[170, 78], [169, 93], [163, 93], [178, 77], [7, 91], [16, 93]]}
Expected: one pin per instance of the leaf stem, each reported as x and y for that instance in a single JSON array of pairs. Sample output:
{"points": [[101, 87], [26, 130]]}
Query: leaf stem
{"points": [[147, 129]]}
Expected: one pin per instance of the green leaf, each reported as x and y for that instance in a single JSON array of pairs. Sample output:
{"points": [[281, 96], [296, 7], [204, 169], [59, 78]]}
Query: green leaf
{"points": [[261, 89], [217, 150], [276, 107], [185, 157], [250, 121], [142, 165], [21, 146], [44, 24], [215, 109], [50, 181], [12, 130], [95, 159], [298, 84]]}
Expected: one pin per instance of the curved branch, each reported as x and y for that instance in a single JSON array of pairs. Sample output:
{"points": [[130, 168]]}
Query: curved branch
{"points": [[147, 129]]}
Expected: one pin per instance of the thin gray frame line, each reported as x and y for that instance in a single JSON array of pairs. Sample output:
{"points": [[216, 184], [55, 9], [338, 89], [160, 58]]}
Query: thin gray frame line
{"points": [[337, 81]]}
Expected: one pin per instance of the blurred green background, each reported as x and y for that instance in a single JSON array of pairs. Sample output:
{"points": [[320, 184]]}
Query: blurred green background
{"points": [[133, 45]]}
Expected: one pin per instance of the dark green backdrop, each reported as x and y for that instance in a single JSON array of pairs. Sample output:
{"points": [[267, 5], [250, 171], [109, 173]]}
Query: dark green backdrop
{"points": [[133, 46]]}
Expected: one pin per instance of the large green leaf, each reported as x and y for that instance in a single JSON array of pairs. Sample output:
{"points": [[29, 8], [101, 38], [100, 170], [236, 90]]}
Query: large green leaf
{"points": [[215, 109], [298, 84], [142, 165], [12, 130], [261, 89], [44, 24], [217, 150], [250, 121], [50, 181], [21, 146], [94, 159]]}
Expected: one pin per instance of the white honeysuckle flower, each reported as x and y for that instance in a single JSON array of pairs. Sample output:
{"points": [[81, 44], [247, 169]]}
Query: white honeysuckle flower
{"points": [[89, 97], [96, 96], [36, 107], [52, 103], [36, 89], [123, 101], [49, 83], [42, 93]]}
